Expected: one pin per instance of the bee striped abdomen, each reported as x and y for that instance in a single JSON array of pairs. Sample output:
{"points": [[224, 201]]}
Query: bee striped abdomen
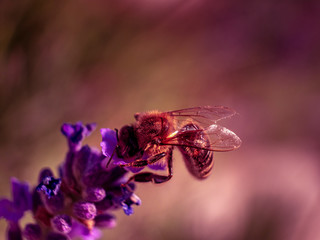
{"points": [[198, 159]]}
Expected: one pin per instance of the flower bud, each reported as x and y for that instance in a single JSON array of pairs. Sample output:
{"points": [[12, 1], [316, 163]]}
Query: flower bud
{"points": [[61, 223], [95, 194], [85, 210]]}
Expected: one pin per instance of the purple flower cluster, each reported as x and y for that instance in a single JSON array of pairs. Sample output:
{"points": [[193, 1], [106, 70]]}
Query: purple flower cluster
{"points": [[79, 201]]}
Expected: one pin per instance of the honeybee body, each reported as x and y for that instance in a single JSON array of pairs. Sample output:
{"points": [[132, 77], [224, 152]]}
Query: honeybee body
{"points": [[153, 136]]}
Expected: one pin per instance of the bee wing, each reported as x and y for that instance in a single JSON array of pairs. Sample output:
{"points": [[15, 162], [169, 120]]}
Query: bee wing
{"points": [[221, 138], [203, 115]]}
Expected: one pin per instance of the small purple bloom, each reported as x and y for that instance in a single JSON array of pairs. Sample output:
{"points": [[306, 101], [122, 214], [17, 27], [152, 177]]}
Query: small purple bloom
{"points": [[49, 186], [126, 204], [75, 133]]}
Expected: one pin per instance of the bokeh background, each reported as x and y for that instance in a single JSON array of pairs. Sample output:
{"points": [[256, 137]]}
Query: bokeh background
{"points": [[102, 61]]}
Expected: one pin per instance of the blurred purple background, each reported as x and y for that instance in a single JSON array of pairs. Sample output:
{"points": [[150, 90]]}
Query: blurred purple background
{"points": [[102, 61]]}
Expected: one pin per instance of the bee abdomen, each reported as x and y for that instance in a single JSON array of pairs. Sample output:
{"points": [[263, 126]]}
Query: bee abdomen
{"points": [[198, 159]]}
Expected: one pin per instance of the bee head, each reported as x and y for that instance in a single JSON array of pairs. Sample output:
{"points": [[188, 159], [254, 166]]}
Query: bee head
{"points": [[127, 143]]}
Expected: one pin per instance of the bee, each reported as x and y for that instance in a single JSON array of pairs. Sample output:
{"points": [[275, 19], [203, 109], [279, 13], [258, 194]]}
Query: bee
{"points": [[194, 131]]}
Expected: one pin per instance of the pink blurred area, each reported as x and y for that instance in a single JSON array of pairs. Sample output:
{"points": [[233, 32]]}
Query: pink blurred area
{"points": [[103, 61]]}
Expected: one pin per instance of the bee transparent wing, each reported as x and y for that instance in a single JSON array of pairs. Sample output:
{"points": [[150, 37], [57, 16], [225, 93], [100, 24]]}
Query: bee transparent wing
{"points": [[203, 115], [221, 138]]}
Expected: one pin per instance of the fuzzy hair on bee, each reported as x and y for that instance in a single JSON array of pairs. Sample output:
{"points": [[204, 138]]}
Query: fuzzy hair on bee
{"points": [[193, 131]]}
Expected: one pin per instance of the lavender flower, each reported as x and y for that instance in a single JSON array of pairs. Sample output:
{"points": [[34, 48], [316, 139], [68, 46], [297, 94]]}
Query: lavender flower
{"points": [[79, 201]]}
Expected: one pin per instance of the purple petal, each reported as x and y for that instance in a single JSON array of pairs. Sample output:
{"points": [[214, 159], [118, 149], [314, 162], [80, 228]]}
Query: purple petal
{"points": [[67, 130], [128, 210], [9, 211], [109, 141], [21, 195], [75, 133], [126, 204]]}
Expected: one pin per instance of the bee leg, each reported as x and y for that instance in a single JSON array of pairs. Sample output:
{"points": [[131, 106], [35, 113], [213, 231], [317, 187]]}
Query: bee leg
{"points": [[151, 177], [143, 163]]}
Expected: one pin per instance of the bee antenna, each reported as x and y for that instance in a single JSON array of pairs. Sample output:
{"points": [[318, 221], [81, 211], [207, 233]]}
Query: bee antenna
{"points": [[117, 135], [111, 157]]}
